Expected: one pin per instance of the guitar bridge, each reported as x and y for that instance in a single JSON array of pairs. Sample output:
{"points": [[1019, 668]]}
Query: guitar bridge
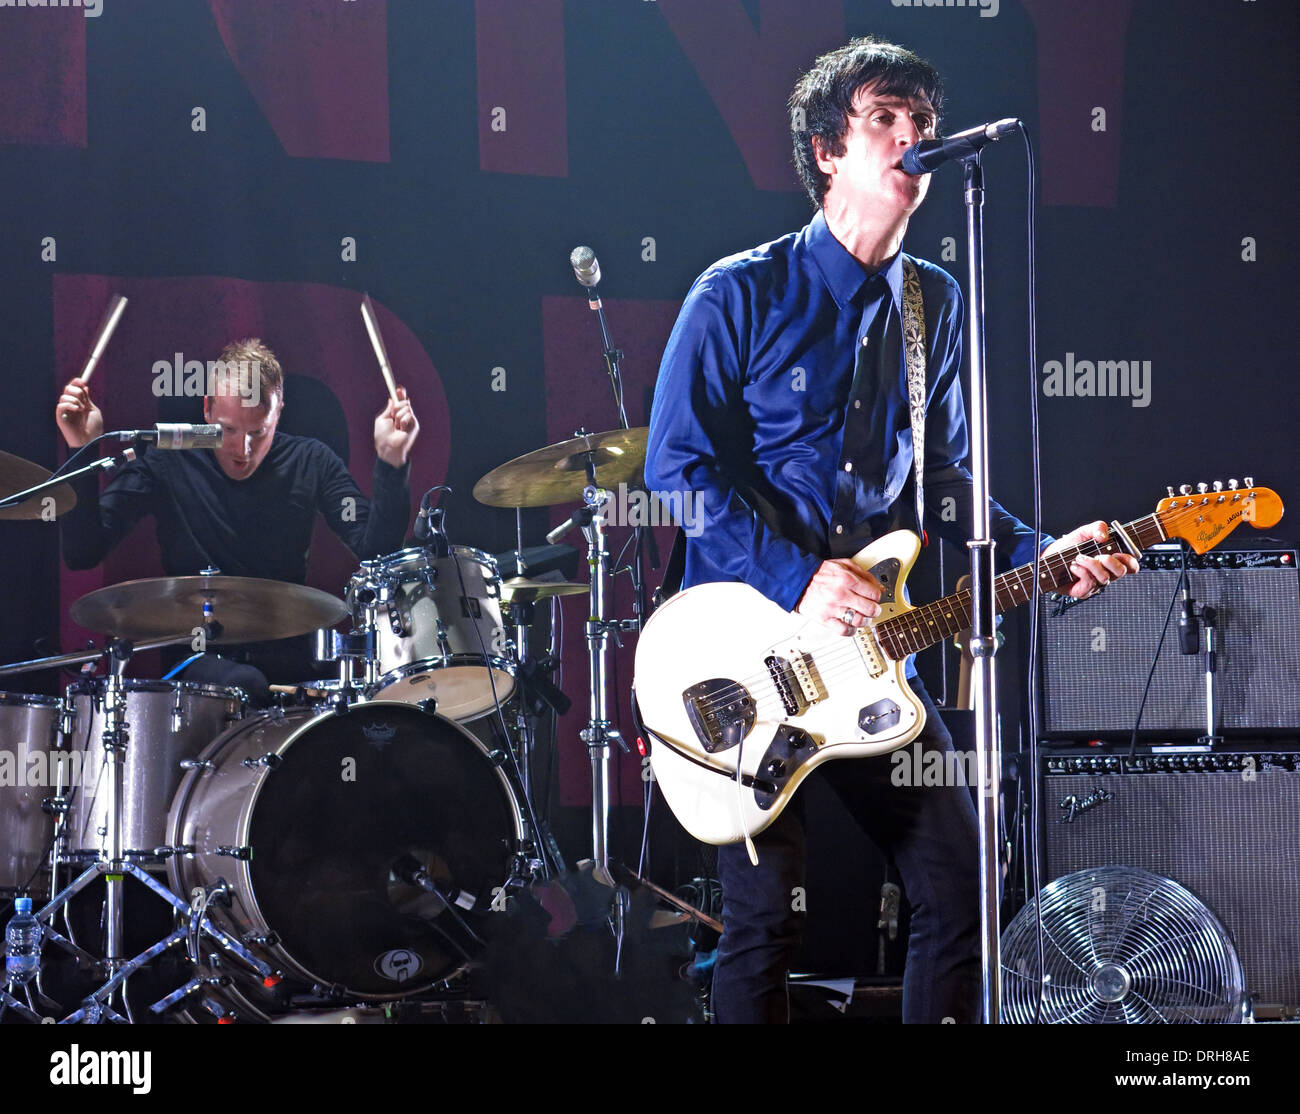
{"points": [[721, 711]]}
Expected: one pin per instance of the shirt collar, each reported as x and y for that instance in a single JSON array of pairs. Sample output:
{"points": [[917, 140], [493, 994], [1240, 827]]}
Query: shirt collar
{"points": [[845, 276]]}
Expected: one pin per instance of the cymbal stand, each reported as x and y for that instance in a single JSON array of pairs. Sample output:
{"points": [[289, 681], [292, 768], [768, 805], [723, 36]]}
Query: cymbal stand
{"points": [[115, 868], [600, 732]]}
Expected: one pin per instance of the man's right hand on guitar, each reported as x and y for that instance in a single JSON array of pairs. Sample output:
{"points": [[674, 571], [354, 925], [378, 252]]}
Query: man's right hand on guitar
{"points": [[78, 419], [840, 595]]}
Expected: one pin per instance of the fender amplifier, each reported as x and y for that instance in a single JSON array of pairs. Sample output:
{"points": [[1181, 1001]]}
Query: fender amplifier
{"points": [[1096, 655], [1223, 822]]}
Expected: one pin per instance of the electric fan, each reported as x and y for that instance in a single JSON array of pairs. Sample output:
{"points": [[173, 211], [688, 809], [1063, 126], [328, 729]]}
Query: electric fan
{"points": [[1121, 946]]}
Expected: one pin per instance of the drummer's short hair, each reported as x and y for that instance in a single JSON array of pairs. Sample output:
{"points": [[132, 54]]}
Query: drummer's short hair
{"points": [[246, 357]]}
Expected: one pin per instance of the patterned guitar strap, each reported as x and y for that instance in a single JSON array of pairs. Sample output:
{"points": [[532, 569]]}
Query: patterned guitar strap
{"points": [[914, 353]]}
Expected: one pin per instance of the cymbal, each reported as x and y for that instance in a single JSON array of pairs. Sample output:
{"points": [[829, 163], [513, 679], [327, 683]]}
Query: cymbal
{"points": [[557, 473], [17, 474], [520, 589], [248, 609]]}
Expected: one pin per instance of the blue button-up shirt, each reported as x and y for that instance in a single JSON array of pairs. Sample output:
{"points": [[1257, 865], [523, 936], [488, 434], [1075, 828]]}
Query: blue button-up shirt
{"points": [[781, 407]]}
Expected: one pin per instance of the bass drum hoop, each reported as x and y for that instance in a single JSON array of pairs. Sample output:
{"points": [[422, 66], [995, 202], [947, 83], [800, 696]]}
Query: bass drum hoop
{"points": [[296, 724]]}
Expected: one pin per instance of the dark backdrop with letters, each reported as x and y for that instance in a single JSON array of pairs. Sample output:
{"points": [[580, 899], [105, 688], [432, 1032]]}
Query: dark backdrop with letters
{"points": [[240, 167]]}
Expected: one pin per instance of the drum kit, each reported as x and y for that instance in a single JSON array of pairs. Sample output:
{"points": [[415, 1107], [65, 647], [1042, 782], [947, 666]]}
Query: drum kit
{"points": [[348, 844]]}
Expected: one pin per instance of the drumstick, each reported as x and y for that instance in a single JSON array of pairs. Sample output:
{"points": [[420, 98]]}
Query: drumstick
{"points": [[377, 343], [111, 318]]}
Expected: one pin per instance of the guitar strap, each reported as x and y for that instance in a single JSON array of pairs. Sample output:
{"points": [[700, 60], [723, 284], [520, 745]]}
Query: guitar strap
{"points": [[914, 354]]}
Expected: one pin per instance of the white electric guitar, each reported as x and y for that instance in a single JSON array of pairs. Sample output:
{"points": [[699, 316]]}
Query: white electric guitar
{"points": [[741, 699]]}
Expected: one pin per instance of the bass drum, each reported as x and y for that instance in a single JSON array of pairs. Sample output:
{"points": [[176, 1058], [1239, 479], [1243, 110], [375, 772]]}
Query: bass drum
{"points": [[316, 823]]}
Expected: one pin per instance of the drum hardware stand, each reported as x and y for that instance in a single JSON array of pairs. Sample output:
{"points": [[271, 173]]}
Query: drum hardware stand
{"points": [[102, 464], [115, 868], [600, 732], [346, 650]]}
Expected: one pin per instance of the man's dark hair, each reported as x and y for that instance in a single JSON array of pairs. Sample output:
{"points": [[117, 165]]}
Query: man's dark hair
{"points": [[823, 98]]}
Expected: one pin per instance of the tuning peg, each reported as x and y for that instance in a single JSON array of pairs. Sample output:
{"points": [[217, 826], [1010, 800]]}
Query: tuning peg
{"points": [[1250, 481], [1218, 485], [1202, 488], [1184, 489], [1232, 485], [1170, 488]]}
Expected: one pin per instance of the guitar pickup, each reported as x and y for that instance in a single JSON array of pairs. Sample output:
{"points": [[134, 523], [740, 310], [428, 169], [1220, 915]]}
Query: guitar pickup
{"points": [[721, 712], [873, 657], [809, 680], [788, 682]]}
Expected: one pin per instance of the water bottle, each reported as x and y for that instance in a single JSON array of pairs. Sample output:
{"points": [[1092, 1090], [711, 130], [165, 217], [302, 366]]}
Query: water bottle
{"points": [[22, 943]]}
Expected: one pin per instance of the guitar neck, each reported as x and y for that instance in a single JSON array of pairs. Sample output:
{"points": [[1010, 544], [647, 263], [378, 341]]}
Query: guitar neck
{"points": [[923, 626]]}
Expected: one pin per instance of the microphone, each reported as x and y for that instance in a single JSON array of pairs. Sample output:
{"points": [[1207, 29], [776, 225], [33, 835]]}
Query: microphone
{"points": [[581, 517], [177, 435], [420, 531], [930, 154], [429, 522], [586, 269], [1189, 631]]}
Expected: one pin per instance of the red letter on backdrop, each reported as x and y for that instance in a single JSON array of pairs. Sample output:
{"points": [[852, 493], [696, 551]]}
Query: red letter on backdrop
{"points": [[319, 71], [749, 73], [43, 77], [522, 127]]}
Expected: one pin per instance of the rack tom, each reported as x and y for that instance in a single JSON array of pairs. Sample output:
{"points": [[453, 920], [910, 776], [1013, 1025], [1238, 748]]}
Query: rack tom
{"points": [[438, 629]]}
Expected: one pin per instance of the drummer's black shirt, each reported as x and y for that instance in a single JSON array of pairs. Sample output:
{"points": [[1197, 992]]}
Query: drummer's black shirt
{"points": [[261, 526]]}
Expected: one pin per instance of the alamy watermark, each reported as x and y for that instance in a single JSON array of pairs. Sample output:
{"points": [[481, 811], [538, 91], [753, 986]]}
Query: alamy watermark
{"points": [[636, 507], [32, 766], [91, 8], [987, 8], [182, 378], [914, 766], [1073, 378]]}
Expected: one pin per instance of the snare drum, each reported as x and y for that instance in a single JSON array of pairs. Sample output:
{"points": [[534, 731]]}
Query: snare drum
{"points": [[438, 629], [167, 721], [315, 824], [30, 768]]}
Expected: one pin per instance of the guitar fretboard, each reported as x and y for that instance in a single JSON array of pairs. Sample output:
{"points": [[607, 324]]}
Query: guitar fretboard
{"points": [[947, 617]]}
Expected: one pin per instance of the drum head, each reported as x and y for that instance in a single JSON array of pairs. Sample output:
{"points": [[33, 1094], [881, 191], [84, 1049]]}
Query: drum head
{"points": [[360, 799]]}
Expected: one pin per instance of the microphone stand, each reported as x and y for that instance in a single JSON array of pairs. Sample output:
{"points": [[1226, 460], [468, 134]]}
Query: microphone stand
{"points": [[613, 365], [983, 641], [103, 464]]}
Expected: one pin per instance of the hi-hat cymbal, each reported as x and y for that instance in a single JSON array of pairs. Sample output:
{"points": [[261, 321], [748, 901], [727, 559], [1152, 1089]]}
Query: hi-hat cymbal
{"points": [[520, 589], [558, 473], [248, 609], [17, 474]]}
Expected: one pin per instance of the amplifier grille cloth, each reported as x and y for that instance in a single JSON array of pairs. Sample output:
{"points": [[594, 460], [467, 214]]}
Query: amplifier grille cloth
{"points": [[1233, 842], [1096, 655]]}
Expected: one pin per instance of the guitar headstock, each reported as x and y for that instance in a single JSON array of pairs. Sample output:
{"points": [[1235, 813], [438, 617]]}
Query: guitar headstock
{"points": [[1203, 518]]}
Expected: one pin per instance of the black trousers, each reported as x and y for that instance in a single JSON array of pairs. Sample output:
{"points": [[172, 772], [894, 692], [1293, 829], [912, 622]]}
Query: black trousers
{"points": [[929, 832]]}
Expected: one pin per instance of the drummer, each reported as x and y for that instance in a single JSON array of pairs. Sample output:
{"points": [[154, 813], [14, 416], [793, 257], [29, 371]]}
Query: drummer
{"points": [[247, 508]]}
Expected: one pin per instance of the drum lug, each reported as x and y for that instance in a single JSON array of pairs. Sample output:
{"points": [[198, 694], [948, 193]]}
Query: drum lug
{"points": [[429, 705], [243, 853], [497, 757], [197, 764], [167, 852], [269, 940], [271, 761]]}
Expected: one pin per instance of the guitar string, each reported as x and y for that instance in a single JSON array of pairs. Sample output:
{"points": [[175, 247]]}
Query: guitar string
{"points": [[828, 660], [904, 627]]}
